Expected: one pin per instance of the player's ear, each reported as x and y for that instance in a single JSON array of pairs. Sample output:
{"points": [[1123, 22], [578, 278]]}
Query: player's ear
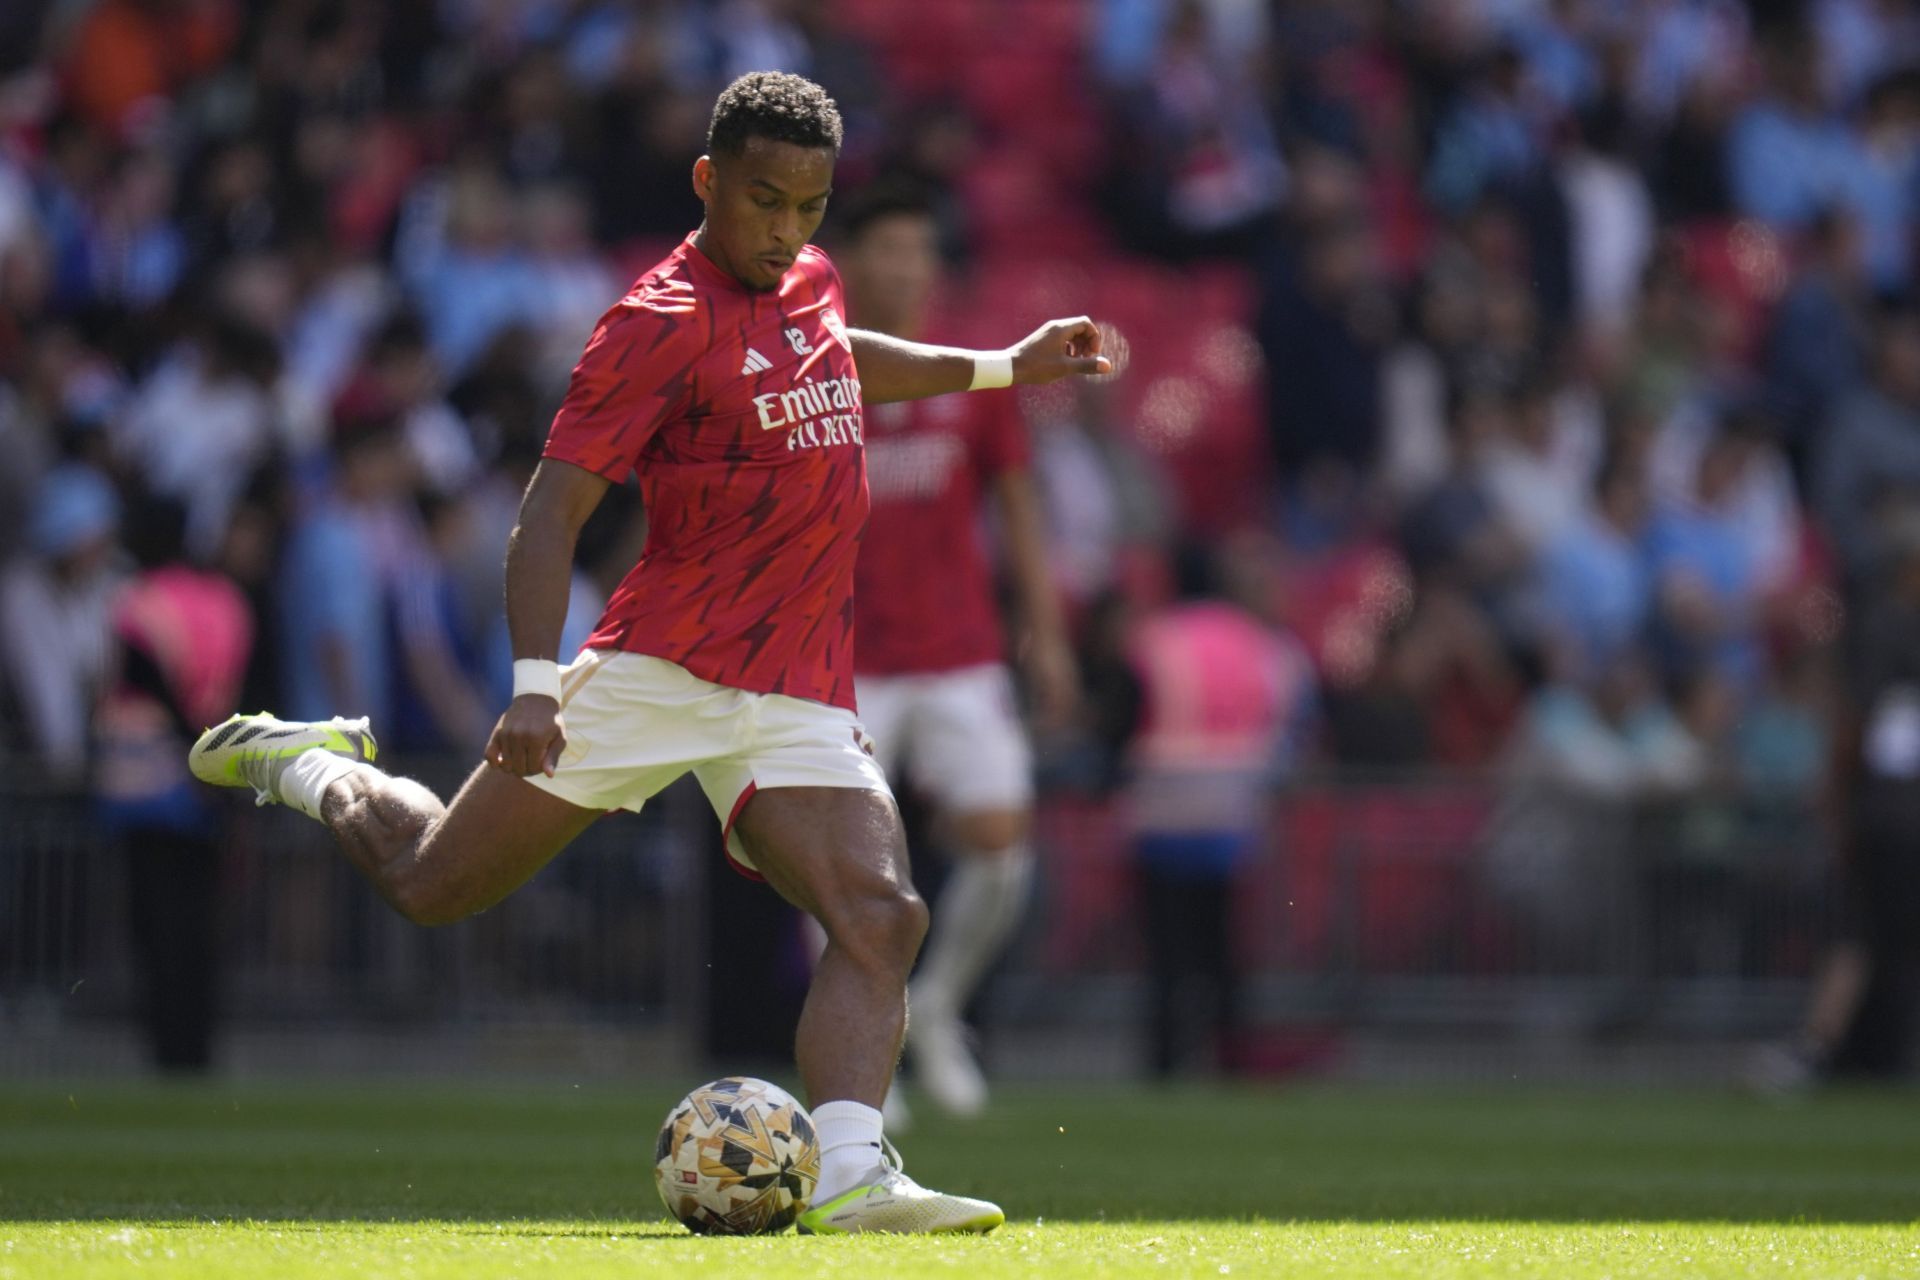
{"points": [[703, 179]]}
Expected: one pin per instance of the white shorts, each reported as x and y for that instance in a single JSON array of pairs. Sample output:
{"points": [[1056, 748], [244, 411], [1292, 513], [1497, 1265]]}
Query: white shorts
{"points": [[958, 732], [636, 723]]}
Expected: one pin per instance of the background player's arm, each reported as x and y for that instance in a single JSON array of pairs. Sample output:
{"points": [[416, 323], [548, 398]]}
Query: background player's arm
{"points": [[895, 369], [1047, 655], [530, 736]]}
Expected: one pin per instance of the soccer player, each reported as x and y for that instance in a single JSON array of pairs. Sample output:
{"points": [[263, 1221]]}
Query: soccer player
{"points": [[934, 690], [728, 380]]}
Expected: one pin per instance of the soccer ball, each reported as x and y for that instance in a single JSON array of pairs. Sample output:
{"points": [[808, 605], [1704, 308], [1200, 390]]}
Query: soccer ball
{"points": [[737, 1157]]}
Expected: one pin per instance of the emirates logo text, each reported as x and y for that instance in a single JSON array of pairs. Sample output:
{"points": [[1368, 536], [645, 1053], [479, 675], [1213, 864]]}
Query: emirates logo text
{"points": [[813, 414]]}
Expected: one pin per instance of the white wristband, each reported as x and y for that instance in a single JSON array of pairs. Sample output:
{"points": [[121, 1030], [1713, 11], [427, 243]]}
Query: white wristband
{"points": [[536, 675], [992, 370]]}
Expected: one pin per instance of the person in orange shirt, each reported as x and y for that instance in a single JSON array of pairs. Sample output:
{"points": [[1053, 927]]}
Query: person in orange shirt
{"points": [[125, 54]]}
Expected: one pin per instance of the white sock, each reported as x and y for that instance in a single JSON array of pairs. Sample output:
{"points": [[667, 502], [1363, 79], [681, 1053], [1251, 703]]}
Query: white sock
{"points": [[849, 1134], [981, 903], [305, 782]]}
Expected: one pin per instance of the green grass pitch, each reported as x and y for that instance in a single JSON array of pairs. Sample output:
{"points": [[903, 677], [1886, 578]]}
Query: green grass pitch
{"points": [[552, 1180]]}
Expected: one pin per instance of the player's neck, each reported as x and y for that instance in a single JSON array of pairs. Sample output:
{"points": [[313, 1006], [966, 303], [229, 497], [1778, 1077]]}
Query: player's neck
{"points": [[701, 243]]}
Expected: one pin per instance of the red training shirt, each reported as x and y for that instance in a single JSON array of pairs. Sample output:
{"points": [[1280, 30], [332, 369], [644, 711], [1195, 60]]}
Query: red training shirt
{"points": [[924, 594], [741, 413]]}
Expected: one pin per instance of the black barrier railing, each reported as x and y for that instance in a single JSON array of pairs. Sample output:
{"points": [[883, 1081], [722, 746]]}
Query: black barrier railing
{"points": [[1410, 902], [1464, 903]]}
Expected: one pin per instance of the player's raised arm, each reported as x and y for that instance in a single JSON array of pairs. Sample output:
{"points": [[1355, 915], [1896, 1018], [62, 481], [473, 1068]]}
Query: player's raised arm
{"points": [[895, 369], [530, 736]]}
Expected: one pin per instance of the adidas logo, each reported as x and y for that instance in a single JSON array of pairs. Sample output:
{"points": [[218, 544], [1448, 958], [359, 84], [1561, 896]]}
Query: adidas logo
{"points": [[756, 363]]}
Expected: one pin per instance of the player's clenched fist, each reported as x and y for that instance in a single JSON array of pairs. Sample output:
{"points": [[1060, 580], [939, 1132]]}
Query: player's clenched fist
{"points": [[1058, 349], [529, 737]]}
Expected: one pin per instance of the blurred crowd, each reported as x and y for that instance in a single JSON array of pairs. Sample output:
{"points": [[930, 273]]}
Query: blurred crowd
{"points": [[1590, 357], [1585, 448]]}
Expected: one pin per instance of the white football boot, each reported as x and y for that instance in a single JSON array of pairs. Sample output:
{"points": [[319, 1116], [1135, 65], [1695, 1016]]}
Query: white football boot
{"points": [[254, 751], [892, 1203]]}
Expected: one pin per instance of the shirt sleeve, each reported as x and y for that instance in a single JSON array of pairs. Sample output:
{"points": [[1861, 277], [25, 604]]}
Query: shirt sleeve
{"points": [[632, 377], [1000, 443]]}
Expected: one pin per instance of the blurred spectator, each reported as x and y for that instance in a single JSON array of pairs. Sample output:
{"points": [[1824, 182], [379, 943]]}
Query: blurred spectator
{"points": [[1609, 737], [643, 178], [341, 564], [198, 427], [1596, 577], [1538, 468], [1415, 450], [1688, 169], [1225, 704], [1102, 496], [1791, 157], [1816, 348], [1740, 441], [1867, 461], [1324, 329], [1456, 533], [400, 377], [1788, 156], [1887, 179], [1588, 755], [56, 605], [575, 283], [1783, 741], [1612, 220], [1205, 170], [128, 56], [232, 203], [759, 35], [460, 257], [1861, 40], [443, 698], [183, 638], [1682, 45], [1709, 575], [135, 252], [1490, 139]]}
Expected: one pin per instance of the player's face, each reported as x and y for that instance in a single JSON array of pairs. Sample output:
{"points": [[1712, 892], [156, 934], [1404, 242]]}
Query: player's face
{"points": [[892, 272], [763, 205]]}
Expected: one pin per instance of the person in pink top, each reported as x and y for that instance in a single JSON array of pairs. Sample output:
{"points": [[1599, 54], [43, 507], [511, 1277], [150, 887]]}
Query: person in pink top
{"points": [[182, 635], [1225, 700]]}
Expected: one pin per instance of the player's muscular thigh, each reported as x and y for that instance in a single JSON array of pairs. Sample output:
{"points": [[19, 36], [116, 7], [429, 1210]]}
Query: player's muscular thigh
{"points": [[839, 854]]}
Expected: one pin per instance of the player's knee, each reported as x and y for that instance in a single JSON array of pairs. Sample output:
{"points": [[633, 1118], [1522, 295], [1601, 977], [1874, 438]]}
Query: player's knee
{"points": [[428, 900], [991, 831], [880, 925]]}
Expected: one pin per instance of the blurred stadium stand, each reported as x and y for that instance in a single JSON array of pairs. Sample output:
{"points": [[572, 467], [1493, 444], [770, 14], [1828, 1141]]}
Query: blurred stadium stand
{"points": [[1563, 355]]}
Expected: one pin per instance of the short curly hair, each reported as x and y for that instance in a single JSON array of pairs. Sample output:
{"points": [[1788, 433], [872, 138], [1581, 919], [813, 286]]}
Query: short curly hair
{"points": [[775, 105]]}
